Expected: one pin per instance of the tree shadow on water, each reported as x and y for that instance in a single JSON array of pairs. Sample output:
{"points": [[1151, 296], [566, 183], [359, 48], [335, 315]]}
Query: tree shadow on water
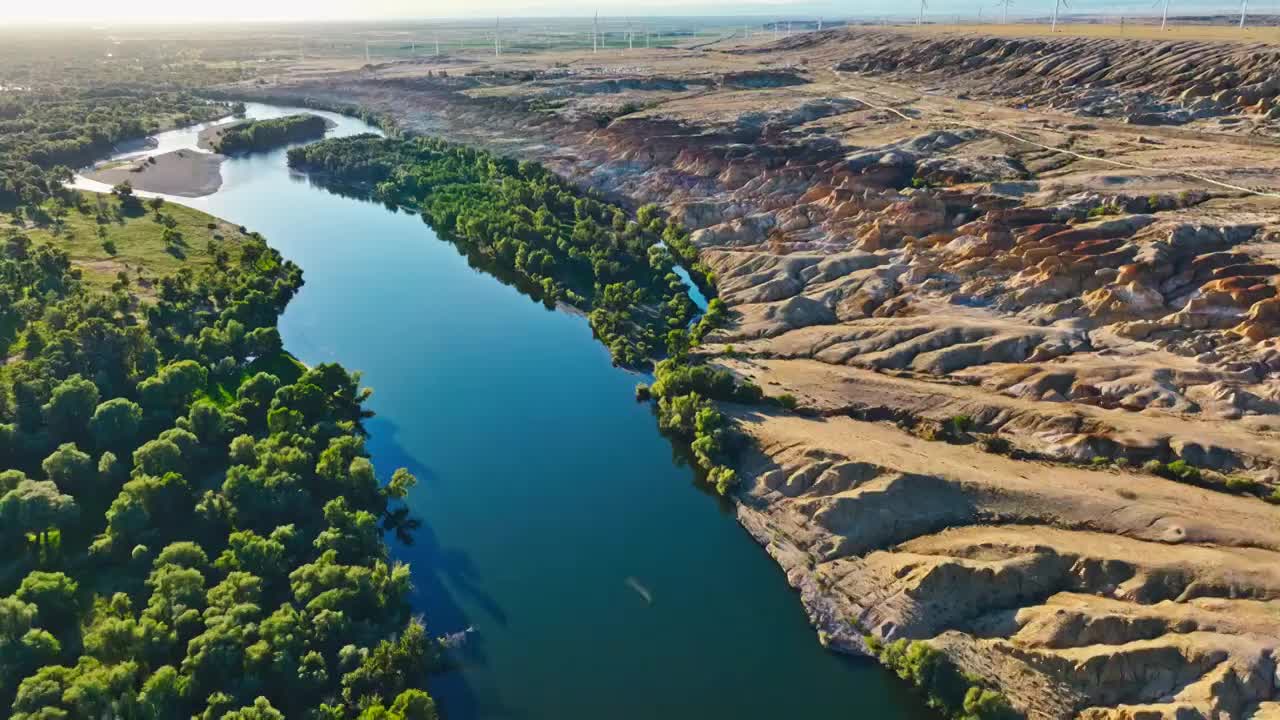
{"points": [[441, 576]]}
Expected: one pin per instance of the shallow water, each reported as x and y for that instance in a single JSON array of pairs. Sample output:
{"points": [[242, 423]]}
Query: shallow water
{"points": [[599, 579]]}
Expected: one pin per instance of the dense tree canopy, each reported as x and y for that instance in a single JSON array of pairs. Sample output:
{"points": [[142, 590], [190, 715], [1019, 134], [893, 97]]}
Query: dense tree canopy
{"points": [[192, 524]]}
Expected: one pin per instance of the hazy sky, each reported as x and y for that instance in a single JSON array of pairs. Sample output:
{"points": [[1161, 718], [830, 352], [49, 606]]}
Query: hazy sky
{"points": [[129, 11], [133, 11]]}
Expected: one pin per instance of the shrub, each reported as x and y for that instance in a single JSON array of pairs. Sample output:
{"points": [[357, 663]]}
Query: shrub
{"points": [[1244, 485], [955, 694], [996, 444], [1179, 470], [673, 378], [723, 478], [983, 704]]}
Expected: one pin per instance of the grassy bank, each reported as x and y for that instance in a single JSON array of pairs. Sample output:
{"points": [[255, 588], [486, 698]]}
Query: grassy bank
{"points": [[102, 238]]}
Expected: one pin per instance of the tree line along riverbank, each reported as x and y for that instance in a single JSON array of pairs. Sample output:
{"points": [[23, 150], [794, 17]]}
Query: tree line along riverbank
{"points": [[569, 246]]}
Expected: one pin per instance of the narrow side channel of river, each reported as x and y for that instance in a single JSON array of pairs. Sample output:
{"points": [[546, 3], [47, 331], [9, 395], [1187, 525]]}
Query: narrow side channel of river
{"points": [[549, 500]]}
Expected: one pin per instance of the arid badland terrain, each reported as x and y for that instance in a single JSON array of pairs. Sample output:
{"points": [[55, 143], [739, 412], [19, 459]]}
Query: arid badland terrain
{"points": [[1008, 278]]}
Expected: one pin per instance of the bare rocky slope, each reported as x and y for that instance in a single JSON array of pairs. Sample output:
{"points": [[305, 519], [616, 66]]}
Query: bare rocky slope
{"points": [[997, 276]]}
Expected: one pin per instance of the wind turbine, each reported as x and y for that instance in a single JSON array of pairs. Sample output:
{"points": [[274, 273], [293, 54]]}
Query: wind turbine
{"points": [[1164, 15], [1244, 10], [1065, 4], [1004, 17], [595, 33], [497, 36], [923, 5]]}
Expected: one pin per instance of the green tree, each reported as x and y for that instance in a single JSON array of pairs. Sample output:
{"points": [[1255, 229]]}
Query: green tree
{"points": [[265, 557], [392, 667], [414, 705], [401, 483], [983, 704], [172, 387], [36, 507], [115, 424], [72, 470], [243, 450], [17, 618], [164, 694], [158, 457], [264, 342], [55, 596], [408, 705], [71, 407], [110, 470], [183, 553], [352, 535], [260, 710], [209, 425]]}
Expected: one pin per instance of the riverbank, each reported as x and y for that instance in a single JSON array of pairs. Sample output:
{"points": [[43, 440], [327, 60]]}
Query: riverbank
{"points": [[923, 276], [185, 173]]}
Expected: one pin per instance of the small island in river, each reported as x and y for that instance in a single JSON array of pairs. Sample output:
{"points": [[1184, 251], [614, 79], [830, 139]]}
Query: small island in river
{"points": [[252, 135]]}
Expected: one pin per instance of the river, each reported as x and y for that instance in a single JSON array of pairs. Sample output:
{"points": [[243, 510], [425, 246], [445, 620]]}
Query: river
{"points": [[600, 580]]}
